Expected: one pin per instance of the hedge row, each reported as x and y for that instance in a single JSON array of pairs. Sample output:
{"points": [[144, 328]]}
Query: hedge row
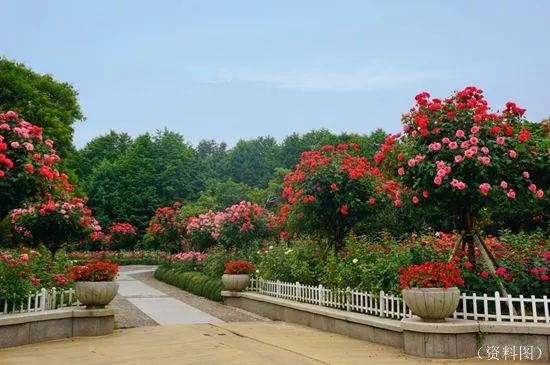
{"points": [[194, 282]]}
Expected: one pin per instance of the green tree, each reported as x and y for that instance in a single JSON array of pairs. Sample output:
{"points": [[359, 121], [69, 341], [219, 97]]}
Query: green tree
{"points": [[107, 147], [41, 100], [155, 171], [253, 162]]}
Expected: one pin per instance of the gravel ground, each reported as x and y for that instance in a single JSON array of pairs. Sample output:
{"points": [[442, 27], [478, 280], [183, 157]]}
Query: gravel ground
{"points": [[128, 315], [218, 310]]}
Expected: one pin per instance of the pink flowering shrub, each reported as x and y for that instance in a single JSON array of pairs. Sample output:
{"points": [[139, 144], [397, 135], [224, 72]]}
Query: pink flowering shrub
{"points": [[235, 226], [186, 261], [27, 164], [54, 223]]}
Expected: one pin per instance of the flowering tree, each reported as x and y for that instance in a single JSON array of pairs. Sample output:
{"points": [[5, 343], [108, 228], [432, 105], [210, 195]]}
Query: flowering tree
{"points": [[54, 223], [27, 163], [166, 230], [332, 189], [459, 155], [236, 225]]}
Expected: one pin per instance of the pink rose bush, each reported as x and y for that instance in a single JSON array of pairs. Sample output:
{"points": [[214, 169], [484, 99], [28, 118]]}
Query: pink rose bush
{"points": [[28, 163], [460, 155], [236, 225]]}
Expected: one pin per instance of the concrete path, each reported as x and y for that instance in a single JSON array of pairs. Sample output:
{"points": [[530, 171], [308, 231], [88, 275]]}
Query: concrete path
{"points": [[257, 343], [162, 308]]}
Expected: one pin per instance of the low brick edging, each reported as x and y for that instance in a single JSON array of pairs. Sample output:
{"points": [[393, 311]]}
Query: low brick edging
{"points": [[26, 328], [449, 339]]}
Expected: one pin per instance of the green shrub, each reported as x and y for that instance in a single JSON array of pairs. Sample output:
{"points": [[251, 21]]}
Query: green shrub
{"points": [[194, 282]]}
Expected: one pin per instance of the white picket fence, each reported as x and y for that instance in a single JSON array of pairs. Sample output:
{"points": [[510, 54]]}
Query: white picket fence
{"points": [[473, 307], [44, 299]]}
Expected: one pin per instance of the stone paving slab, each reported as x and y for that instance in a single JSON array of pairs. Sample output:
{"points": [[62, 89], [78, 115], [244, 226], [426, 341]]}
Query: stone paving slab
{"points": [[134, 288], [168, 310], [258, 343]]}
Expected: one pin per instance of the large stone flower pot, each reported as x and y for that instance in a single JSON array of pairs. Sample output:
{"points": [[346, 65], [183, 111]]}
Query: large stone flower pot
{"points": [[235, 282], [432, 304], [95, 294]]}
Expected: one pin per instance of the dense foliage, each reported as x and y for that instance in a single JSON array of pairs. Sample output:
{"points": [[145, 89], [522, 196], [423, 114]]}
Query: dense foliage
{"points": [[50, 104]]}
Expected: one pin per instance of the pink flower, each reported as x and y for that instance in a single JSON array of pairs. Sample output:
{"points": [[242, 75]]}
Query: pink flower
{"points": [[484, 188], [411, 162], [425, 194], [474, 140], [371, 201], [15, 144], [485, 150], [469, 153], [446, 140], [512, 154], [500, 140], [474, 129], [464, 145], [453, 145], [437, 180], [401, 171], [526, 174], [468, 265], [484, 274], [544, 277], [511, 194], [460, 133], [484, 160], [406, 128], [503, 184], [459, 158], [415, 199], [540, 193], [534, 271], [532, 188]]}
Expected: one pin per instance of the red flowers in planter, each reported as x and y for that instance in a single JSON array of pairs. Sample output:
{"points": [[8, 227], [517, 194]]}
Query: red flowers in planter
{"points": [[434, 274], [236, 267], [94, 271]]}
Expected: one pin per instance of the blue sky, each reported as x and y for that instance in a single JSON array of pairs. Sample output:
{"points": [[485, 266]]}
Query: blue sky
{"points": [[227, 70]]}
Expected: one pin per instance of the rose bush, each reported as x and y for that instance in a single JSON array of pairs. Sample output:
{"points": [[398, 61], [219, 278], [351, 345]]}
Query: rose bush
{"points": [[28, 164], [25, 271], [459, 155], [330, 191], [121, 236], [166, 230], [53, 223], [238, 225]]}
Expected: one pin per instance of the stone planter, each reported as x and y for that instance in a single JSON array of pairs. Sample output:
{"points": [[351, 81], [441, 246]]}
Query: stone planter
{"points": [[432, 304], [235, 282], [95, 294]]}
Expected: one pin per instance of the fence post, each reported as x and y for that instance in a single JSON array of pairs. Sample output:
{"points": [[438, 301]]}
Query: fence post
{"points": [[43, 299], [497, 306], [298, 291], [349, 299], [321, 294], [382, 303], [278, 289]]}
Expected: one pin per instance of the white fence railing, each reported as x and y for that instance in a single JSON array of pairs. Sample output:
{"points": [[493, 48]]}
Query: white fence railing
{"points": [[474, 307], [44, 299]]}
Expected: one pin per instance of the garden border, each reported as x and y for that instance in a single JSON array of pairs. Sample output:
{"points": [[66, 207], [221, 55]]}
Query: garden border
{"points": [[27, 328], [453, 338]]}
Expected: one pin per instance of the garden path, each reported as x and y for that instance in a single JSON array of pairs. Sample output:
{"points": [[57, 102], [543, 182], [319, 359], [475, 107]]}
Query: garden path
{"points": [[159, 306]]}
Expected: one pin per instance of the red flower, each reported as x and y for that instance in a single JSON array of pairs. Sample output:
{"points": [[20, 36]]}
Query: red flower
{"points": [[237, 267], [434, 274], [344, 210]]}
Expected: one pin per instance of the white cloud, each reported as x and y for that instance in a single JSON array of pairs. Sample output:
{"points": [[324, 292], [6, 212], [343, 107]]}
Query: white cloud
{"points": [[372, 78]]}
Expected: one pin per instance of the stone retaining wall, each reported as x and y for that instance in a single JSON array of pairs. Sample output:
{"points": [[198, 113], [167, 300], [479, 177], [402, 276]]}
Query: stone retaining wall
{"points": [[27, 328], [449, 339]]}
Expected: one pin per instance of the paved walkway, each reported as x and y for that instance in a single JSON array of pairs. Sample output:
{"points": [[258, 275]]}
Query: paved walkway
{"points": [[257, 343], [157, 305]]}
